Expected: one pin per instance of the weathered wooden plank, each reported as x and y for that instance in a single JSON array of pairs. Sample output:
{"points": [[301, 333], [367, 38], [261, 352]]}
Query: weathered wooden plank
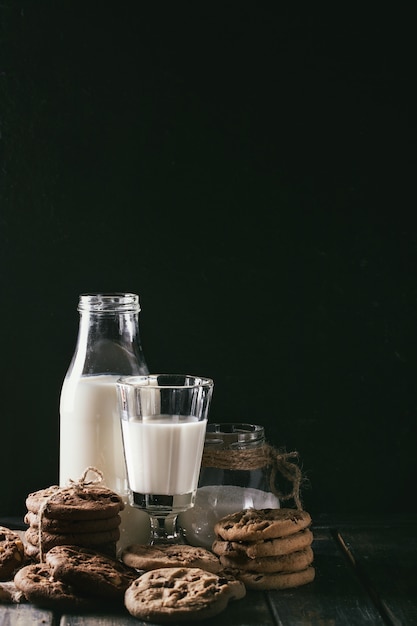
{"points": [[253, 610], [24, 614], [386, 560], [335, 597], [116, 619]]}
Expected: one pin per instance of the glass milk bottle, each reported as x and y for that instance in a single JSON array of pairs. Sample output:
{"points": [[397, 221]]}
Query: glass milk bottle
{"points": [[108, 346], [233, 477]]}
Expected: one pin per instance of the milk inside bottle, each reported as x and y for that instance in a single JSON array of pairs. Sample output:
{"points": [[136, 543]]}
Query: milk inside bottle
{"points": [[108, 347]]}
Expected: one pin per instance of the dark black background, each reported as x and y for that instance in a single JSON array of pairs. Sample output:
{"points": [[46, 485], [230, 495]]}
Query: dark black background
{"points": [[250, 173]]}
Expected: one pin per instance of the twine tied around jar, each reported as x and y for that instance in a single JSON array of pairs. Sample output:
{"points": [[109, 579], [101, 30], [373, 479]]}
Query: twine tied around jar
{"points": [[73, 485], [264, 456]]}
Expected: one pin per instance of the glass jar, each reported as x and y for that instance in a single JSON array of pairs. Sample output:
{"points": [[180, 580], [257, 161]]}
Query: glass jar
{"points": [[108, 346], [234, 476]]}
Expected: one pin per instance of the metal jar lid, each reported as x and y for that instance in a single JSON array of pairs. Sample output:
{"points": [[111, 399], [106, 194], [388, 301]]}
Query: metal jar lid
{"points": [[234, 435]]}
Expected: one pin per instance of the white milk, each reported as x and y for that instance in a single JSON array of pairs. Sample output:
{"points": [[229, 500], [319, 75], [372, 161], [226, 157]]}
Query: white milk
{"points": [[90, 430], [90, 435], [214, 502], [163, 455]]}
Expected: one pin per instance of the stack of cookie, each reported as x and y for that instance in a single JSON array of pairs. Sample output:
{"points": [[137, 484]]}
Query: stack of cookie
{"points": [[86, 516], [266, 548]]}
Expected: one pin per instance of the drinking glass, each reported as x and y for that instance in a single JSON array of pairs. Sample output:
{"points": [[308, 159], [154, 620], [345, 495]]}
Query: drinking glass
{"points": [[163, 419]]}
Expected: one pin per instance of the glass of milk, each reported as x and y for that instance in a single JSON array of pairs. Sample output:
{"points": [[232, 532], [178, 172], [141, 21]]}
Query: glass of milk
{"points": [[164, 418]]}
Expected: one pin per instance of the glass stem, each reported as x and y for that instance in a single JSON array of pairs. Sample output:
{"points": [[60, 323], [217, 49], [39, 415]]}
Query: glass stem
{"points": [[164, 529]]}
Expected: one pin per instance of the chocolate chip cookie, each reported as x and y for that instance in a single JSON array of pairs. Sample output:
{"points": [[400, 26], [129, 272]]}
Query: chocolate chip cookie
{"points": [[50, 540], [38, 586], [180, 593], [148, 557], [93, 573], [292, 562], [269, 547], [72, 527], [277, 580], [12, 553], [261, 524], [88, 502]]}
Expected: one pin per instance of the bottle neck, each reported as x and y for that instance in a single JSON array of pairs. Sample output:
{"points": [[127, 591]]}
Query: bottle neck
{"points": [[108, 343]]}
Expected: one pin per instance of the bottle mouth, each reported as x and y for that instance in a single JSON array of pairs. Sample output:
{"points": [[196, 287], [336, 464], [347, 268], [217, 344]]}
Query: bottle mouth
{"points": [[109, 302]]}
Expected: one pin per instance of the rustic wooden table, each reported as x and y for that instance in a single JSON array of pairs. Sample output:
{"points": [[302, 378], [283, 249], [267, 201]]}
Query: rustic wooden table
{"points": [[366, 573]]}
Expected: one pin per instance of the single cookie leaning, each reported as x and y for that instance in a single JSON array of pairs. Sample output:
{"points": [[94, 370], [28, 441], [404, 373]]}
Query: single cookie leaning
{"points": [[148, 557], [12, 552], [93, 573], [181, 593], [270, 547], [37, 585], [88, 502], [261, 524]]}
